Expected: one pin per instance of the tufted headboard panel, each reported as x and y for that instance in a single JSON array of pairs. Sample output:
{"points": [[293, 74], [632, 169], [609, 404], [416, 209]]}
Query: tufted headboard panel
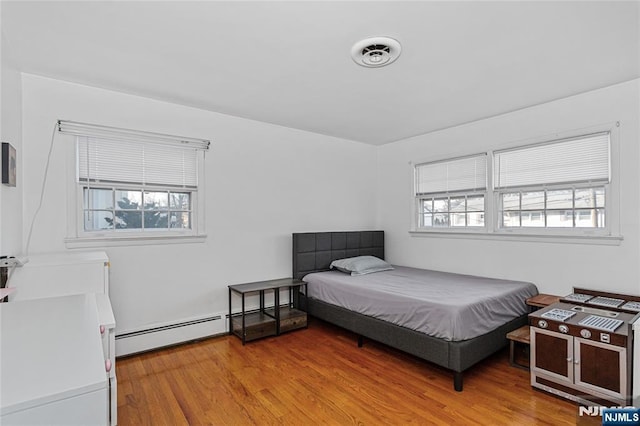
{"points": [[314, 251]]}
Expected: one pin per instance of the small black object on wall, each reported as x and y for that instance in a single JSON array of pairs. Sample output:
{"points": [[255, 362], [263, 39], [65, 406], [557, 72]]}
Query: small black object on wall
{"points": [[9, 164]]}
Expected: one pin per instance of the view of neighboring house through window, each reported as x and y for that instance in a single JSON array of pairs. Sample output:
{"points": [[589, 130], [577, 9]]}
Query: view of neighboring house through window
{"points": [[452, 211], [450, 194], [560, 208], [561, 184]]}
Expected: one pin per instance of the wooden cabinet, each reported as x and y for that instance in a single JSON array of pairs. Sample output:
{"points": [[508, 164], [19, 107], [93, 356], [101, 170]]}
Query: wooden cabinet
{"points": [[596, 368], [266, 320], [582, 353]]}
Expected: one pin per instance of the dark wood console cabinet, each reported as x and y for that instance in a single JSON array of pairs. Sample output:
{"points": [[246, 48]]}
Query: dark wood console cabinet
{"points": [[576, 359], [586, 368]]}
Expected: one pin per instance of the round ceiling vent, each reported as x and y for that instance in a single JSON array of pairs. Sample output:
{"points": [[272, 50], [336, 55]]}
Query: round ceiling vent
{"points": [[375, 51]]}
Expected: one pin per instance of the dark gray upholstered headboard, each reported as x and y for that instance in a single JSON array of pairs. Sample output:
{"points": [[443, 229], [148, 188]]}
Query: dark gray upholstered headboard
{"points": [[314, 251]]}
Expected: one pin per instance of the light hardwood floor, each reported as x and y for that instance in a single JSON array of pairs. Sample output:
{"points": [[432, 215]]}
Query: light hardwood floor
{"points": [[319, 376]]}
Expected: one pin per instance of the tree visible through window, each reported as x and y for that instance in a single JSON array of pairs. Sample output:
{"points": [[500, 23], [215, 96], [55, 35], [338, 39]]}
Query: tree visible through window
{"points": [[133, 183], [112, 208]]}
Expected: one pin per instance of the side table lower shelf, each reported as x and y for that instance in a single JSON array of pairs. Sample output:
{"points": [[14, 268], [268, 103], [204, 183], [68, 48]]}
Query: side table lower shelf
{"points": [[518, 337], [257, 326], [290, 318]]}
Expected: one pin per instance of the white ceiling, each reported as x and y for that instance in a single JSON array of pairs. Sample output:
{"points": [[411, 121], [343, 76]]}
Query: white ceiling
{"points": [[289, 62]]}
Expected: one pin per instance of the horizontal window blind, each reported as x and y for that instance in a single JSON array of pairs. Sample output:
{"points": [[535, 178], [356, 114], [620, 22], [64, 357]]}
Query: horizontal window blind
{"points": [[460, 174], [575, 160], [143, 163], [118, 134]]}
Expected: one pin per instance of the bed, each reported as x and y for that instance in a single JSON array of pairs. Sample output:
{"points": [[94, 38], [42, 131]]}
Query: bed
{"points": [[465, 346]]}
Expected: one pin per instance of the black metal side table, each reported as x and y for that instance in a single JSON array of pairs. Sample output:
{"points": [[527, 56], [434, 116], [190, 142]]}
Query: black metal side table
{"points": [[266, 321]]}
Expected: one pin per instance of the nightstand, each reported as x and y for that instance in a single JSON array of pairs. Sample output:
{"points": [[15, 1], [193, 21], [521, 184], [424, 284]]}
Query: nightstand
{"points": [[519, 339], [266, 321], [542, 300]]}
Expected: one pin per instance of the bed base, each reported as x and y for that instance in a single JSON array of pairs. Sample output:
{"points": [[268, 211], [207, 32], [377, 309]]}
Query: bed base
{"points": [[455, 356], [314, 251]]}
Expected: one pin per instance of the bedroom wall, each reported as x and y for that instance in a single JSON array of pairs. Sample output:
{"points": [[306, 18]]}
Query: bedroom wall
{"points": [[11, 131], [263, 182], [554, 267]]}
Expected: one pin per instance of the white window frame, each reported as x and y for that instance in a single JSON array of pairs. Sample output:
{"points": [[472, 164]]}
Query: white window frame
{"points": [[456, 193], [449, 195], [603, 231], [141, 210], [77, 237], [609, 235]]}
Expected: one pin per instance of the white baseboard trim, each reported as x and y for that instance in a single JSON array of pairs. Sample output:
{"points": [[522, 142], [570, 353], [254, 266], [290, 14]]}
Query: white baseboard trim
{"points": [[166, 334]]}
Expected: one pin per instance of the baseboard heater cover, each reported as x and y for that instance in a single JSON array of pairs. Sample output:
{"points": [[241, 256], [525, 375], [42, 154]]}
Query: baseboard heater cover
{"points": [[158, 336]]}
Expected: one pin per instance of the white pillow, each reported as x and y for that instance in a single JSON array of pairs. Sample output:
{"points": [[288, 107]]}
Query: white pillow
{"points": [[360, 265]]}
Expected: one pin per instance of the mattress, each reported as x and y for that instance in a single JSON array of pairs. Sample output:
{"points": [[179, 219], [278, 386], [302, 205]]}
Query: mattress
{"points": [[449, 306]]}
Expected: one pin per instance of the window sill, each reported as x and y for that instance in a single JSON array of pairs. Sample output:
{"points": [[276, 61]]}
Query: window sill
{"points": [[607, 240], [131, 240]]}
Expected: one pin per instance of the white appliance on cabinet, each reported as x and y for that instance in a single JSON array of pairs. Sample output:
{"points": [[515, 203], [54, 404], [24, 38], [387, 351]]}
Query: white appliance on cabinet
{"points": [[52, 369], [63, 274]]}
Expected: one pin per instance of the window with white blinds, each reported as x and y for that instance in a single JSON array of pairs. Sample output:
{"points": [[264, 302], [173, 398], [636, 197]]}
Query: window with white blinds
{"points": [[141, 163], [558, 187], [460, 174], [451, 193], [576, 160], [135, 184]]}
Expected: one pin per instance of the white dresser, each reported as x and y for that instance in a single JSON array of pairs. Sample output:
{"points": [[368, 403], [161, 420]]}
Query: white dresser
{"points": [[52, 366], [70, 273]]}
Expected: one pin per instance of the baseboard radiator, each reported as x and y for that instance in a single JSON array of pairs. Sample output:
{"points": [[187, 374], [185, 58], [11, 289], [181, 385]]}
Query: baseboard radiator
{"points": [[166, 334]]}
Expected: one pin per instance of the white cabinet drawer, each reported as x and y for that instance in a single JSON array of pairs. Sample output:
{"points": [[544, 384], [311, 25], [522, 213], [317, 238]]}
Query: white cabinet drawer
{"points": [[86, 409]]}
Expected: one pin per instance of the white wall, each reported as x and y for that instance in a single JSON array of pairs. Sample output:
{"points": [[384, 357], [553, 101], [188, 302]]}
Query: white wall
{"points": [[554, 268], [11, 131], [263, 182]]}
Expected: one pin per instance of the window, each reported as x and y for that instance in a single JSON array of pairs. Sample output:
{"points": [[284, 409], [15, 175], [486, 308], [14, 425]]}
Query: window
{"points": [[116, 208], [451, 194], [558, 208], [562, 184], [136, 184], [452, 211], [559, 187]]}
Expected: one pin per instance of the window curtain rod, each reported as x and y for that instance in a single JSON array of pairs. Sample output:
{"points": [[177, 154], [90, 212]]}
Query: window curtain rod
{"points": [[106, 132]]}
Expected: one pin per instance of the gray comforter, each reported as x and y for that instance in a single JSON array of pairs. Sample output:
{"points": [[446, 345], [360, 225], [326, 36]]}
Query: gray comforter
{"points": [[444, 305]]}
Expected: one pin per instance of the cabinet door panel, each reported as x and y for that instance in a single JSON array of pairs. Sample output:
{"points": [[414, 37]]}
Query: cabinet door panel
{"points": [[552, 353], [601, 367]]}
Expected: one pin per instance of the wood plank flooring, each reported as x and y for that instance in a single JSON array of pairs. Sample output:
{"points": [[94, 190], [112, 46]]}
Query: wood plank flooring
{"points": [[319, 376]]}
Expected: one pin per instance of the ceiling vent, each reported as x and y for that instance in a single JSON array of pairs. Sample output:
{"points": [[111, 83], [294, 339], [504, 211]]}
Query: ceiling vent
{"points": [[375, 51]]}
